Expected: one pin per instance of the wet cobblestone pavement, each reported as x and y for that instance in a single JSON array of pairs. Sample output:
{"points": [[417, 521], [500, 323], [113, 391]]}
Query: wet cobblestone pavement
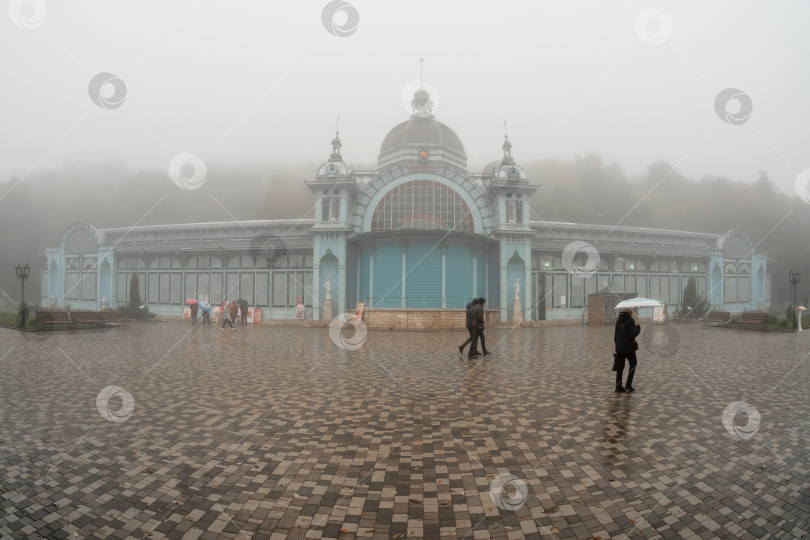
{"points": [[276, 432]]}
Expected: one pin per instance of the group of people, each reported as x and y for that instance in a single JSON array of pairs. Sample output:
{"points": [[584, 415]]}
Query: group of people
{"points": [[235, 310], [475, 326]]}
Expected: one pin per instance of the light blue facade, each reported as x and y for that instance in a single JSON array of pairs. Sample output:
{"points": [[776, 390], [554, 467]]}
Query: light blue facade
{"points": [[419, 231]]}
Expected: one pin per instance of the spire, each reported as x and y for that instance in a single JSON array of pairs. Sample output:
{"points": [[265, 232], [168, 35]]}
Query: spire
{"points": [[336, 144]]}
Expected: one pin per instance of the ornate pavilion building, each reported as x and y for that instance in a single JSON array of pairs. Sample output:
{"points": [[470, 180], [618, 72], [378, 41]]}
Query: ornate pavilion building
{"points": [[419, 233]]}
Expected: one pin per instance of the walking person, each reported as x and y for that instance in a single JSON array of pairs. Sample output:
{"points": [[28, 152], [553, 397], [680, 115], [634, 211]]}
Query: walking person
{"points": [[624, 336], [480, 328], [205, 307], [193, 314], [243, 309], [226, 317], [470, 327], [233, 311]]}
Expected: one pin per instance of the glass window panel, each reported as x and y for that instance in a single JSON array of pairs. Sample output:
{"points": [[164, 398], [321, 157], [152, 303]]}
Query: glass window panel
{"points": [[655, 288], [295, 287], [744, 289], [72, 286], [701, 285], [308, 288], [203, 287], [232, 286], [164, 287], [641, 285], [215, 288], [176, 288], [246, 288], [279, 288], [730, 286], [191, 285], [675, 290], [121, 288], [262, 289], [577, 291], [89, 286], [664, 291], [152, 298], [549, 289]]}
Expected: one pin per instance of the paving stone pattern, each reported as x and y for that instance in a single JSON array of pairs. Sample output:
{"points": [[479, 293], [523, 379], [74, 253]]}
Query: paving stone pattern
{"points": [[276, 432]]}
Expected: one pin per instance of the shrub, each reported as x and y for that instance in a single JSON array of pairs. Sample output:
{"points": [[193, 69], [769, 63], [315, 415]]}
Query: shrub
{"points": [[772, 319], [789, 313], [783, 323]]}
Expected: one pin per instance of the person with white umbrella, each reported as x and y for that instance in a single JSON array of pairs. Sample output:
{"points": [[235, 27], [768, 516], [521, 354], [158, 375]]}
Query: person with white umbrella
{"points": [[624, 337]]}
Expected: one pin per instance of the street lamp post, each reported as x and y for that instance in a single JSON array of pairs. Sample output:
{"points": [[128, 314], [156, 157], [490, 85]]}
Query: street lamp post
{"points": [[23, 273], [795, 277]]}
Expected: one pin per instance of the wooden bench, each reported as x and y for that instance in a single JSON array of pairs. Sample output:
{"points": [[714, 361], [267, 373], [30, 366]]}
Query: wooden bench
{"points": [[53, 316], [717, 317], [757, 318], [98, 317]]}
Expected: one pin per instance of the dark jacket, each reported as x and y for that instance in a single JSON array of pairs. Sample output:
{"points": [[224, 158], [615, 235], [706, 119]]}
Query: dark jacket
{"points": [[243, 305], [469, 316], [625, 333], [478, 317]]}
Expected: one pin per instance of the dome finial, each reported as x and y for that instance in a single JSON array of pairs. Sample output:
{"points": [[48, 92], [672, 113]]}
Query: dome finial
{"points": [[507, 147], [336, 144]]}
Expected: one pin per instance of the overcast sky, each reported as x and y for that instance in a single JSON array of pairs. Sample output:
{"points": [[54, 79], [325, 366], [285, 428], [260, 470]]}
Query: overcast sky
{"points": [[262, 81]]}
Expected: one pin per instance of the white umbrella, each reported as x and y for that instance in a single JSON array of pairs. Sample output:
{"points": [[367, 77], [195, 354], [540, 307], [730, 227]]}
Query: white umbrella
{"points": [[638, 302]]}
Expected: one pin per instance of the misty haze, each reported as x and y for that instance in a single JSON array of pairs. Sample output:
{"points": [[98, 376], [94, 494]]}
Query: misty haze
{"points": [[351, 269]]}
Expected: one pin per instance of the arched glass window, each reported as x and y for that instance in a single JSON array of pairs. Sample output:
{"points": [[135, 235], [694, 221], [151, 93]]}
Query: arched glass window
{"points": [[422, 204]]}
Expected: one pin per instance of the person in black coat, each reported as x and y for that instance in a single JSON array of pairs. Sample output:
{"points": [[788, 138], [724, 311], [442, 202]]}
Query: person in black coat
{"points": [[470, 328], [624, 336], [243, 309], [478, 323]]}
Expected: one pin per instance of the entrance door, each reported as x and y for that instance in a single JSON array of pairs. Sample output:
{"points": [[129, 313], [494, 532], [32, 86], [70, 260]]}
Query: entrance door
{"points": [[540, 303]]}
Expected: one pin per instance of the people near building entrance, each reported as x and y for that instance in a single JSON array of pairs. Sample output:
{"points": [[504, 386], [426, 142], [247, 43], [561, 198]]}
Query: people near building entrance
{"points": [[229, 314], [243, 309], [470, 328], [193, 314], [624, 336], [478, 321], [233, 310], [205, 308], [477, 316]]}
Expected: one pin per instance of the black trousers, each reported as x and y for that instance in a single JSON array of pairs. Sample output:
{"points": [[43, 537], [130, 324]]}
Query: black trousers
{"points": [[469, 339], [483, 339], [620, 358], [226, 321]]}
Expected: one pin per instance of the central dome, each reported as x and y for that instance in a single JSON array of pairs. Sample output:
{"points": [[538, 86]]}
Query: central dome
{"points": [[422, 138], [418, 130]]}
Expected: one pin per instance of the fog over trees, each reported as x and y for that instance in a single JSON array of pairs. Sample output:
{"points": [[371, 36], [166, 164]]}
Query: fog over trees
{"points": [[37, 209]]}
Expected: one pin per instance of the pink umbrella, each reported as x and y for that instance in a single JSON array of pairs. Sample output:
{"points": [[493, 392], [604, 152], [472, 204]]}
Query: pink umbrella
{"points": [[191, 301]]}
